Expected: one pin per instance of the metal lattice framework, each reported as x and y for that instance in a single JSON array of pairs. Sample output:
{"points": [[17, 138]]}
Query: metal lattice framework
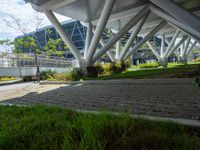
{"points": [[176, 24]]}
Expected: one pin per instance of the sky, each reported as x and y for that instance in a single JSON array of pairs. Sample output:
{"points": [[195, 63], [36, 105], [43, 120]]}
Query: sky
{"points": [[22, 11]]}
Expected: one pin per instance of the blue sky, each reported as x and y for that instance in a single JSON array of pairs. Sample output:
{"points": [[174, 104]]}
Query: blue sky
{"points": [[22, 11]]}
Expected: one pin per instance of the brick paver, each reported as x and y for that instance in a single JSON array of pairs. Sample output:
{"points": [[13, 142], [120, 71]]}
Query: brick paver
{"points": [[177, 98]]}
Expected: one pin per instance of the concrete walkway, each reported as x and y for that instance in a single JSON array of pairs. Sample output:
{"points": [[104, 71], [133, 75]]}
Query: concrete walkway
{"points": [[176, 98]]}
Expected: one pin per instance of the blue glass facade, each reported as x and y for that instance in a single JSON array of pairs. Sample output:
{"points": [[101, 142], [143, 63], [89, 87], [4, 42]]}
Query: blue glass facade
{"points": [[75, 30], [77, 34]]}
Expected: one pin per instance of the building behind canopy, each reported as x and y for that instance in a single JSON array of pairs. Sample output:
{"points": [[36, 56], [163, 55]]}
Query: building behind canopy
{"points": [[176, 22], [77, 33]]}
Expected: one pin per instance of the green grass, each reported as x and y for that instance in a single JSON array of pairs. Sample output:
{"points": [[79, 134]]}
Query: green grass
{"points": [[48, 127], [172, 71], [147, 65]]}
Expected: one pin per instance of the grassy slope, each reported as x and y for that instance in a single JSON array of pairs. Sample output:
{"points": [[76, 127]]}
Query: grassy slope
{"points": [[42, 127], [173, 71]]}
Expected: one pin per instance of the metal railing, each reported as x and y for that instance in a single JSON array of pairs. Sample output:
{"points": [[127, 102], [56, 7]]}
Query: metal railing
{"points": [[28, 60]]}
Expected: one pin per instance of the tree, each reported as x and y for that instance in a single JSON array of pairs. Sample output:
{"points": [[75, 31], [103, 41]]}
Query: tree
{"points": [[55, 47], [27, 41]]}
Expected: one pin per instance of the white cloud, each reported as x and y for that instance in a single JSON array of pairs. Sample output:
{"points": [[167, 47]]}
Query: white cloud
{"points": [[22, 11]]}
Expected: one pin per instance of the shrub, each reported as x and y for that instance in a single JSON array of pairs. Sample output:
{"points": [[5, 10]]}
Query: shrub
{"points": [[92, 71], [99, 68], [197, 60], [47, 74], [148, 65], [73, 75], [68, 76], [127, 64], [111, 68]]}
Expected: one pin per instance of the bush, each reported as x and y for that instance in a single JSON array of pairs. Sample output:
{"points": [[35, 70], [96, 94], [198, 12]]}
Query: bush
{"points": [[148, 65], [126, 64], [73, 75], [92, 71], [99, 68], [47, 74], [111, 68], [197, 60]]}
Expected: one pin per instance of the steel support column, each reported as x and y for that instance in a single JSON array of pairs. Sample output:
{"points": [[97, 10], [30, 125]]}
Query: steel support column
{"points": [[63, 34], [99, 29], [177, 46], [124, 30], [146, 38], [153, 50], [186, 47], [118, 47], [88, 38], [171, 44], [162, 50], [136, 30], [190, 48], [109, 53]]}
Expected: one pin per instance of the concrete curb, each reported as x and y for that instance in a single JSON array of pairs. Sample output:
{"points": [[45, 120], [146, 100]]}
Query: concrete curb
{"points": [[185, 122], [11, 82], [126, 81]]}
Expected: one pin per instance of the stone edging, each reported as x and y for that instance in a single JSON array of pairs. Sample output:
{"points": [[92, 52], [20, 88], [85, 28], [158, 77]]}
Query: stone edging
{"points": [[11, 82]]}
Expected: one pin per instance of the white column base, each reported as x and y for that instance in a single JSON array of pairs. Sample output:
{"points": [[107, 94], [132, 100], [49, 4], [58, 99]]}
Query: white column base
{"points": [[163, 62], [182, 60]]}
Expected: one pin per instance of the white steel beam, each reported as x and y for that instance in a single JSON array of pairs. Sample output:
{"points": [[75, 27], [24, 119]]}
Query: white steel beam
{"points": [[118, 48], [153, 49], [175, 22], [107, 9], [171, 44], [179, 13], [162, 49], [177, 46], [186, 47], [109, 53], [134, 34], [124, 30], [191, 48], [63, 34], [197, 47], [146, 38], [177, 54], [88, 38]]}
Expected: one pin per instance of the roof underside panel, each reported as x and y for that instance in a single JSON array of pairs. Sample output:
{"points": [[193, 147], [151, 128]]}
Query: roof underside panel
{"points": [[123, 11]]}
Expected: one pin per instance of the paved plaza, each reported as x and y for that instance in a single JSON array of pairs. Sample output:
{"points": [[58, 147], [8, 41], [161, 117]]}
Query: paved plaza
{"points": [[177, 98]]}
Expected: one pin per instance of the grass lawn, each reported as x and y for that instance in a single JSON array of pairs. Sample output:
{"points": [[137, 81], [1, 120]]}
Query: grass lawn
{"points": [[172, 71], [48, 127]]}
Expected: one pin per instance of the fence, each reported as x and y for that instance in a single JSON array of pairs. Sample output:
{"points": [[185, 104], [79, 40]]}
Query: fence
{"points": [[28, 60]]}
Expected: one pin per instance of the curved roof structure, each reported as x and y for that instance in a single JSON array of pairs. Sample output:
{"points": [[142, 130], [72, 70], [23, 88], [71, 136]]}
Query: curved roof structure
{"points": [[153, 17], [122, 12]]}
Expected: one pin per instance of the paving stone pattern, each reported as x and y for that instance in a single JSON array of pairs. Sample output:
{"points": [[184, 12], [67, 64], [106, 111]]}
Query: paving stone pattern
{"points": [[177, 98]]}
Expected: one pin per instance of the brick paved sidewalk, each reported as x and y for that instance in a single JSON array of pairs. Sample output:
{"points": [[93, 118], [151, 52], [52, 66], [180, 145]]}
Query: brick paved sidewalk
{"points": [[177, 98]]}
